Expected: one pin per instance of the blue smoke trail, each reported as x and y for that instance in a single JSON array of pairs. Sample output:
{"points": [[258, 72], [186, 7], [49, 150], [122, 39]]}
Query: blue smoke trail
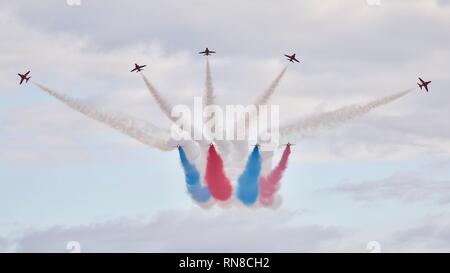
{"points": [[195, 189], [247, 188]]}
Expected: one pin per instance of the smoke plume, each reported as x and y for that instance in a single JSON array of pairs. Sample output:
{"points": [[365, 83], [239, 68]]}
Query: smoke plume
{"points": [[143, 132], [198, 192], [269, 185], [215, 177], [247, 187], [209, 92], [273, 86], [331, 119], [163, 105]]}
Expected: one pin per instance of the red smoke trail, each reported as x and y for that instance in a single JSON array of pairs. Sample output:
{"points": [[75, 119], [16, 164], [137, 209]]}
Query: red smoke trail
{"points": [[218, 184], [270, 184]]}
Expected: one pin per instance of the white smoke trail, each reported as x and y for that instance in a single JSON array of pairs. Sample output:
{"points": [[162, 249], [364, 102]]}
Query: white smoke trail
{"points": [[273, 86], [143, 132], [191, 150], [331, 119], [265, 97], [240, 149], [209, 91], [194, 148], [267, 156], [163, 105], [166, 108], [222, 146]]}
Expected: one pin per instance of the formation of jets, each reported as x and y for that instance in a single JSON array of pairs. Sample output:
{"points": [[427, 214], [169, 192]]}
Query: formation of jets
{"points": [[291, 58], [254, 145], [138, 68], [23, 77], [259, 145], [423, 84]]}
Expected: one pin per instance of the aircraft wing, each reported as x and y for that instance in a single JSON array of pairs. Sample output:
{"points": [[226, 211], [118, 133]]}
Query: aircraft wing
{"points": [[421, 80], [26, 74]]}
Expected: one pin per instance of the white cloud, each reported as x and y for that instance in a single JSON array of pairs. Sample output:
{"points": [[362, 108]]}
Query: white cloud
{"points": [[189, 231], [431, 234], [413, 186]]}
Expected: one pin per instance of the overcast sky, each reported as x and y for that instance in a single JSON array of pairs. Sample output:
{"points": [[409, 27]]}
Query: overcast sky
{"points": [[384, 176]]}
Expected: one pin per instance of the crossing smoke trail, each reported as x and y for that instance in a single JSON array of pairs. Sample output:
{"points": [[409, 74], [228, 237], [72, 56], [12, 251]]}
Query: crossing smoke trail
{"points": [[247, 187], [164, 106], [209, 85], [269, 185], [147, 134], [238, 152], [239, 146], [265, 97], [217, 181], [334, 118], [256, 180], [198, 192]]}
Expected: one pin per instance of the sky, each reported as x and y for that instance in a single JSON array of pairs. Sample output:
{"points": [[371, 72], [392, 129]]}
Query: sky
{"points": [[381, 177]]}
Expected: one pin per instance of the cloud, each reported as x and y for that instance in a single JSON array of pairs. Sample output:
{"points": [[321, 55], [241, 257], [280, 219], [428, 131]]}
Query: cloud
{"points": [[189, 231], [404, 187], [228, 231], [4, 244], [443, 3], [430, 234]]}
